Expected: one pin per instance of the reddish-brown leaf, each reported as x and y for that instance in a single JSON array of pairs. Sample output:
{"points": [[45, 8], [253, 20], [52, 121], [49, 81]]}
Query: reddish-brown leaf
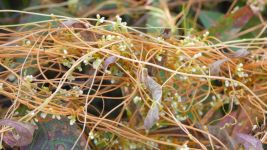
{"points": [[23, 134]]}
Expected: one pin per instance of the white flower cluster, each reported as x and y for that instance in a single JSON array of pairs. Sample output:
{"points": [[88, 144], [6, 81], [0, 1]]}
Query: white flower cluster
{"points": [[72, 120], [56, 116], [108, 37], [119, 21], [227, 84], [215, 99], [190, 41], [68, 62], [240, 71], [100, 19], [77, 91], [122, 47], [181, 117], [119, 25]]}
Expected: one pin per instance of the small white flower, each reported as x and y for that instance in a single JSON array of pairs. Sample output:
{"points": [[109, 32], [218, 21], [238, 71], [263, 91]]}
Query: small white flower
{"points": [[100, 19], [71, 78], [197, 55], [36, 119], [159, 58], [181, 118], [1, 86], [254, 127], [43, 115], [174, 105], [137, 99], [77, 91], [227, 84], [132, 146], [85, 62], [235, 84], [239, 69], [212, 104], [194, 70], [119, 19], [91, 135], [160, 39], [29, 78], [184, 147], [107, 71], [58, 117], [32, 113], [122, 47], [16, 113], [65, 51], [179, 98], [184, 107], [183, 77], [72, 120], [27, 42], [124, 23], [97, 63], [11, 77], [206, 34], [240, 65], [181, 58], [110, 37], [113, 81]]}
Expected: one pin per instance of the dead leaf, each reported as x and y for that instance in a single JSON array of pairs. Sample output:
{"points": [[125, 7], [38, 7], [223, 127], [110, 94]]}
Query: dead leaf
{"points": [[109, 60], [156, 92], [249, 142], [23, 135], [72, 23], [152, 116], [215, 67], [240, 53], [221, 134]]}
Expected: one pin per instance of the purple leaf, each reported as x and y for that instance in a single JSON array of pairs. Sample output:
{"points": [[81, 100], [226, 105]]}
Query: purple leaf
{"points": [[220, 133], [109, 61], [156, 92], [152, 116], [152, 85], [215, 67], [72, 23], [23, 135], [249, 142], [240, 53]]}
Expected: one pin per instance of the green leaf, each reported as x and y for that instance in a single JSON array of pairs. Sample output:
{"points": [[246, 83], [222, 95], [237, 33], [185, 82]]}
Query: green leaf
{"points": [[56, 134], [228, 26], [209, 18]]}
